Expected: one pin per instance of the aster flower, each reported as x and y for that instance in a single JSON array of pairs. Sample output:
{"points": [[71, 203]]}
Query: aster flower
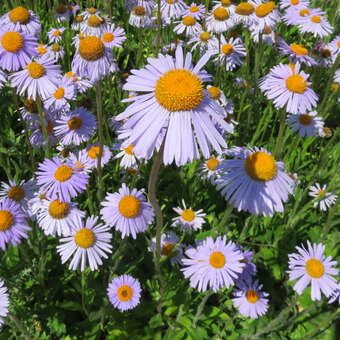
{"points": [[218, 20], [266, 15], [244, 14], [42, 49], [307, 124], [13, 226], [81, 84], [55, 34], [316, 24], [209, 170], [113, 36], [195, 10], [75, 127], [334, 46], [294, 14], [149, 5], [77, 22], [324, 199], [287, 85], [94, 25], [311, 266], [124, 292], [89, 243], [188, 219], [4, 302], [139, 17], [188, 25], [128, 158], [56, 51], [90, 156], [127, 211], [227, 4], [174, 98], [205, 41], [30, 111], [172, 9], [60, 180], [250, 300], [57, 217], [254, 181], [268, 35], [92, 59], [90, 11], [58, 99], [249, 268], [35, 203], [16, 49], [39, 78], [62, 13], [73, 8], [293, 3], [213, 264]]}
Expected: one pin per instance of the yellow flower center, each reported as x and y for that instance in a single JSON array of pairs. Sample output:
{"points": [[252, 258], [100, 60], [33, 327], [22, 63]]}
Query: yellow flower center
{"points": [[214, 92], [84, 238], [30, 105], [179, 90], [227, 49], [225, 3], [129, 149], [294, 2], [125, 293], [315, 268], [58, 209], [305, 119], [264, 9], [93, 21], [194, 9], [267, 30], [316, 19], [335, 87], [325, 52], [56, 33], [129, 206], [93, 152], [172, 1], [205, 36], [63, 173], [304, 12], [75, 123], [212, 163], [296, 84], [132, 171], [244, 8], [61, 9], [338, 44], [12, 41], [139, 11], [92, 10], [35, 70], [220, 14], [217, 259], [252, 296], [6, 220], [56, 48], [16, 193], [41, 49], [298, 49], [188, 215], [59, 93], [189, 20], [78, 18], [91, 48], [108, 37], [167, 248], [260, 166], [321, 192], [19, 15]]}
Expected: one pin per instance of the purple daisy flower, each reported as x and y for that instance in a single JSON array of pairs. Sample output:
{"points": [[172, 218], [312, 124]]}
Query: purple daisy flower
{"points": [[195, 10], [307, 124], [54, 35], [61, 180], [266, 14], [13, 226], [287, 85], [62, 13], [293, 3], [89, 156], [318, 25], [213, 264], [66, 90], [113, 36], [188, 25], [75, 127], [16, 49], [254, 181], [174, 98], [219, 20], [4, 301], [127, 211], [250, 300], [89, 242], [124, 292], [39, 78], [171, 10], [311, 265], [56, 52], [249, 268]]}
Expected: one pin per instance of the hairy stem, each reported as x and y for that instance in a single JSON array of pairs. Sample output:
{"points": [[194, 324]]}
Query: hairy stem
{"points": [[200, 308]]}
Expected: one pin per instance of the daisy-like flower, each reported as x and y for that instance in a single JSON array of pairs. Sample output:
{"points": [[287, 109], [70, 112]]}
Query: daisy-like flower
{"points": [[168, 247], [230, 53], [89, 243], [127, 211], [35, 203], [287, 85], [174, 98], [149, 5], [217, 94], [205, 41], [58, 99], [213, 264], [37, 137], [318, 25], [295, 52], [218, 20], [16, 49], [188, 219], [30, 111], [93, 25], [77, 22], [334, 46], [293, 3], [21, 19], [4, 302], [244, 14], [209, 170], [39, 78], [73, 8], [188, 25], [254, 181], [62, 13], [266, 13], [307, 124], [90, 11], [324, 199], [60, 180], [139, 17], [55, 34], [195, 10], [42, 49], [250, 300], [90, 156], [311, 265], [20, 192], [113, 36], [128, 158], [268, 35], [124, 292], [92, 59], [293, 15], [75, 127], [335, 296], [81, 84], [227, 4], [249, 268], [172, 9], [57, 217], [13, 226], [56, 51]]}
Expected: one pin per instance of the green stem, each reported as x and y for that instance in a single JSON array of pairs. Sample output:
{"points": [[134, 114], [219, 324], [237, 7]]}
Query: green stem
{"points": [[225, 218], [258, 57], [43, 128], [83, 288], [206, 13], [200, 308], [279, 141], [244, 94], [159, 25], [101, 139]]}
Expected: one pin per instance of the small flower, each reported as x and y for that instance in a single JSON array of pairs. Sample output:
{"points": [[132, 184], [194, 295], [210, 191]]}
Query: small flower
{"points": [[195, 10], [268, 35], [77, 22], [56, 51], [244, 14], [62, 13], [128, 158], [172, 9], [209, 169], [4, 301], [293, 3], [249, 269], [58, 99], [205, 41], [188, 25], [90, 156], [218, 20], [311, 265], [307, 124], [55, 34], [139, 17], [113, 36], [124, 292], [316, 24], [324, 199], [266, 14]]}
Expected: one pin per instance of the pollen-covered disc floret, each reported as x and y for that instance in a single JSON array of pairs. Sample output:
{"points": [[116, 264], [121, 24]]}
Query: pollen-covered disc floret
{"points": [[310, 265], [127, 211]]}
